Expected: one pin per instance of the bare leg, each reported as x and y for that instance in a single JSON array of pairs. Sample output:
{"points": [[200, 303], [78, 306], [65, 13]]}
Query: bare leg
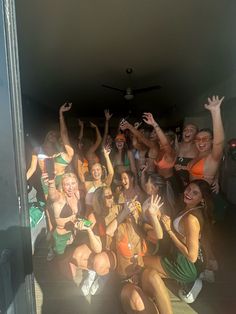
{"points": [[154, 287], [134, 301], [154, 262]]}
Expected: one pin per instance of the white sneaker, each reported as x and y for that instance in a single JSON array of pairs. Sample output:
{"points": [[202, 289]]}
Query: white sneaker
{"points": [[87, 284], [208, 276], [51, 254], [190, 296]]}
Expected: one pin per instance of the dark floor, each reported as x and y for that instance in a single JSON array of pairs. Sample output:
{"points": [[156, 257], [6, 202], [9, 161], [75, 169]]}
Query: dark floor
{"points": [[55, 295]]}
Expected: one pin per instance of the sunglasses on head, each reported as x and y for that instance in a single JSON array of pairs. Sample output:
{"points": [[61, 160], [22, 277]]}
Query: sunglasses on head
{"points": [[108, 197]]}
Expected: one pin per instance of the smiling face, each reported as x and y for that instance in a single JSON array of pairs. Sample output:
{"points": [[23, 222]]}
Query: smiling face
{"points": [[69, 186], [127, 182], [51, 137], [192, 195], [153, 135], [120, 144], [96, 172], [203, 141], [189, 133]]}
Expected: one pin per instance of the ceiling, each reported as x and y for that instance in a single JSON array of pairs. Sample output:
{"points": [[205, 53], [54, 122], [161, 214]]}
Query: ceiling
{"points": [[68, 49]]}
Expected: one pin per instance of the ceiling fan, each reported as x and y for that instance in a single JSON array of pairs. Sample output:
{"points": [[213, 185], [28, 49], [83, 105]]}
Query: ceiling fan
{"points": [[129, 92]]}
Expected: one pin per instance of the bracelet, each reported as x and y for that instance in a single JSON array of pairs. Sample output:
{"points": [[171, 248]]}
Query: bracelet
{"points": [[156, 126]]}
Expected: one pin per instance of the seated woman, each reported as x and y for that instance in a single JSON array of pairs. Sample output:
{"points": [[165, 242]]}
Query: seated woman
{"points": [[188, 229], [97, 256], [129, 189], [51, 154], [66, 207], [142, 289]]}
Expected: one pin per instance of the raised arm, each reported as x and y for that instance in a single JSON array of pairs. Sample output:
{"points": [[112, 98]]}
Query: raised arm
{"points": [[108, 116], [81, 129], [33, 166], [63, 130], [110, 168], [98, 140], [155, 214], [126, 125], [218, 131]]}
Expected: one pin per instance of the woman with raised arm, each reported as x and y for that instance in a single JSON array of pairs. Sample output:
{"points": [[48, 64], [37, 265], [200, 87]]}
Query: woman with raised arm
{"points": [[106, 140], [167, 155], [66, 207], [99, 178], [185, 261], [151, 143], [122, 159], [90, 153], [210, 146], [51, 156]]}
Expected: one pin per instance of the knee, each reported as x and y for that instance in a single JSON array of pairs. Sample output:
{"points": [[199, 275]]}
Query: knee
{"points": [[100, 264], [131, 298]]}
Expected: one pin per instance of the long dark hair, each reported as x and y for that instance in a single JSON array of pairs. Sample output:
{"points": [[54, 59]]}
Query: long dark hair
{"points": [[207, 204], [165, 191]]}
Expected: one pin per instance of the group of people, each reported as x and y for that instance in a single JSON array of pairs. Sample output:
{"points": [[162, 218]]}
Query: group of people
{"points": [[140, 204]]}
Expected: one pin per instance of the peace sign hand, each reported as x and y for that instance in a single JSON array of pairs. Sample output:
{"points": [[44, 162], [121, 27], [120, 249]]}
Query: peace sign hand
{"points": [[155, 205]]}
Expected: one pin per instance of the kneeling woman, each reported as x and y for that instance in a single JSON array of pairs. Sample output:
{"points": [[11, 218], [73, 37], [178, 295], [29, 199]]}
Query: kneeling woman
{"points": [[188, 228], [140, 286]]}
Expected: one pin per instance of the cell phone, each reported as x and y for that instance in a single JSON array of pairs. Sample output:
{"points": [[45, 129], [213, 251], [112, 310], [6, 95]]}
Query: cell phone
{"points": [[87, 223], [49, 165]]}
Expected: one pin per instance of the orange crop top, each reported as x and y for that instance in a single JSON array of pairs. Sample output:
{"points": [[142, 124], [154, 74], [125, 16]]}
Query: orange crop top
{"points": [[197, 169], [164, 164]]}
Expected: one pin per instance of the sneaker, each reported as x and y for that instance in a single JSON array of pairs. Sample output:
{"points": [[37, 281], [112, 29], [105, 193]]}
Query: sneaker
{"points": [[87, 283], [51, 254], [208, 276], [98, 283], [190, 296]]}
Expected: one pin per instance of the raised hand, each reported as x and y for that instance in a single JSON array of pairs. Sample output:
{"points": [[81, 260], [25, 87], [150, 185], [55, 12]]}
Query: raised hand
{"points": [[155, 205], [93, 125], [137, 124], [124, 125], [166, 222], [106, 150], [148, 118], [66, 107], [214, 103], [108, 115]]}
